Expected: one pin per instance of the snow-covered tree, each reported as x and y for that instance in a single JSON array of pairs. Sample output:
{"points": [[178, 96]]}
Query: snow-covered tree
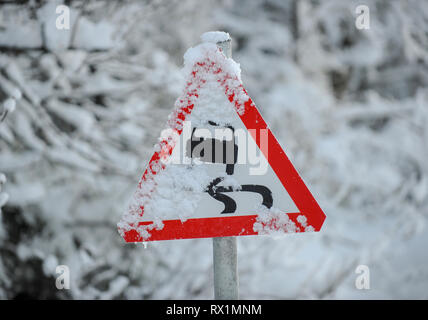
{"points": [[348, 105]]}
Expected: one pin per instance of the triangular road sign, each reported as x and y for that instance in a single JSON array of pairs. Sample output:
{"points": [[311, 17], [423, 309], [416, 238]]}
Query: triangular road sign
{"points": [[217, 170]]}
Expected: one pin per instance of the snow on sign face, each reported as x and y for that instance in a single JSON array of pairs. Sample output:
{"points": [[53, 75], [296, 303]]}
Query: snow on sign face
{"points": [[217, 169]]}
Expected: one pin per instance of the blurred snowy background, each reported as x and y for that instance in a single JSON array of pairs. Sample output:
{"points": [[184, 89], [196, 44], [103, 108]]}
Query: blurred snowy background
{"points": [[349, 106]]}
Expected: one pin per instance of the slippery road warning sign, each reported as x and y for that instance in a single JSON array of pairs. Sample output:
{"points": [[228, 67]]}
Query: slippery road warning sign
{"points": [[217, 169]]}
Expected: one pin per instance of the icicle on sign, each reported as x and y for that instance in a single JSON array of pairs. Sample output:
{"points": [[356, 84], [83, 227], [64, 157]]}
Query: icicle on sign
{"points": [[217, 169]]}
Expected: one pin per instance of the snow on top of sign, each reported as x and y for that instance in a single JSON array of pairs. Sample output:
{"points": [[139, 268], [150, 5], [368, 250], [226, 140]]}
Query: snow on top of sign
{"points": [[215, 36], [210, 67], [208, 50]]}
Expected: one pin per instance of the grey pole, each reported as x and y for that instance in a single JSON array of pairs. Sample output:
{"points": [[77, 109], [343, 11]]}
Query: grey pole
{"points": [[225, 268], [224, 248]]}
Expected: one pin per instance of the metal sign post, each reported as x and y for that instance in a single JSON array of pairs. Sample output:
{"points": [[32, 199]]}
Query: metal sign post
{"points": [[224, 248], [225, 268]]}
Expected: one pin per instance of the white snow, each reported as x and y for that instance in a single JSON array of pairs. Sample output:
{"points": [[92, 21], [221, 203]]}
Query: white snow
{"points": [[16, 94], [78, 117], [215, 36], [49, 265], [94, 35], [230, 181], [2, 179], [27, 35], [177, 191], [212, 104], [359, 140], [9, 105], [4, 197], [205, 50], [273, 222]]}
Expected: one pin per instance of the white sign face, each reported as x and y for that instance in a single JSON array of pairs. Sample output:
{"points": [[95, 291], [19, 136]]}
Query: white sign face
{"points": [[238, 178]]}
